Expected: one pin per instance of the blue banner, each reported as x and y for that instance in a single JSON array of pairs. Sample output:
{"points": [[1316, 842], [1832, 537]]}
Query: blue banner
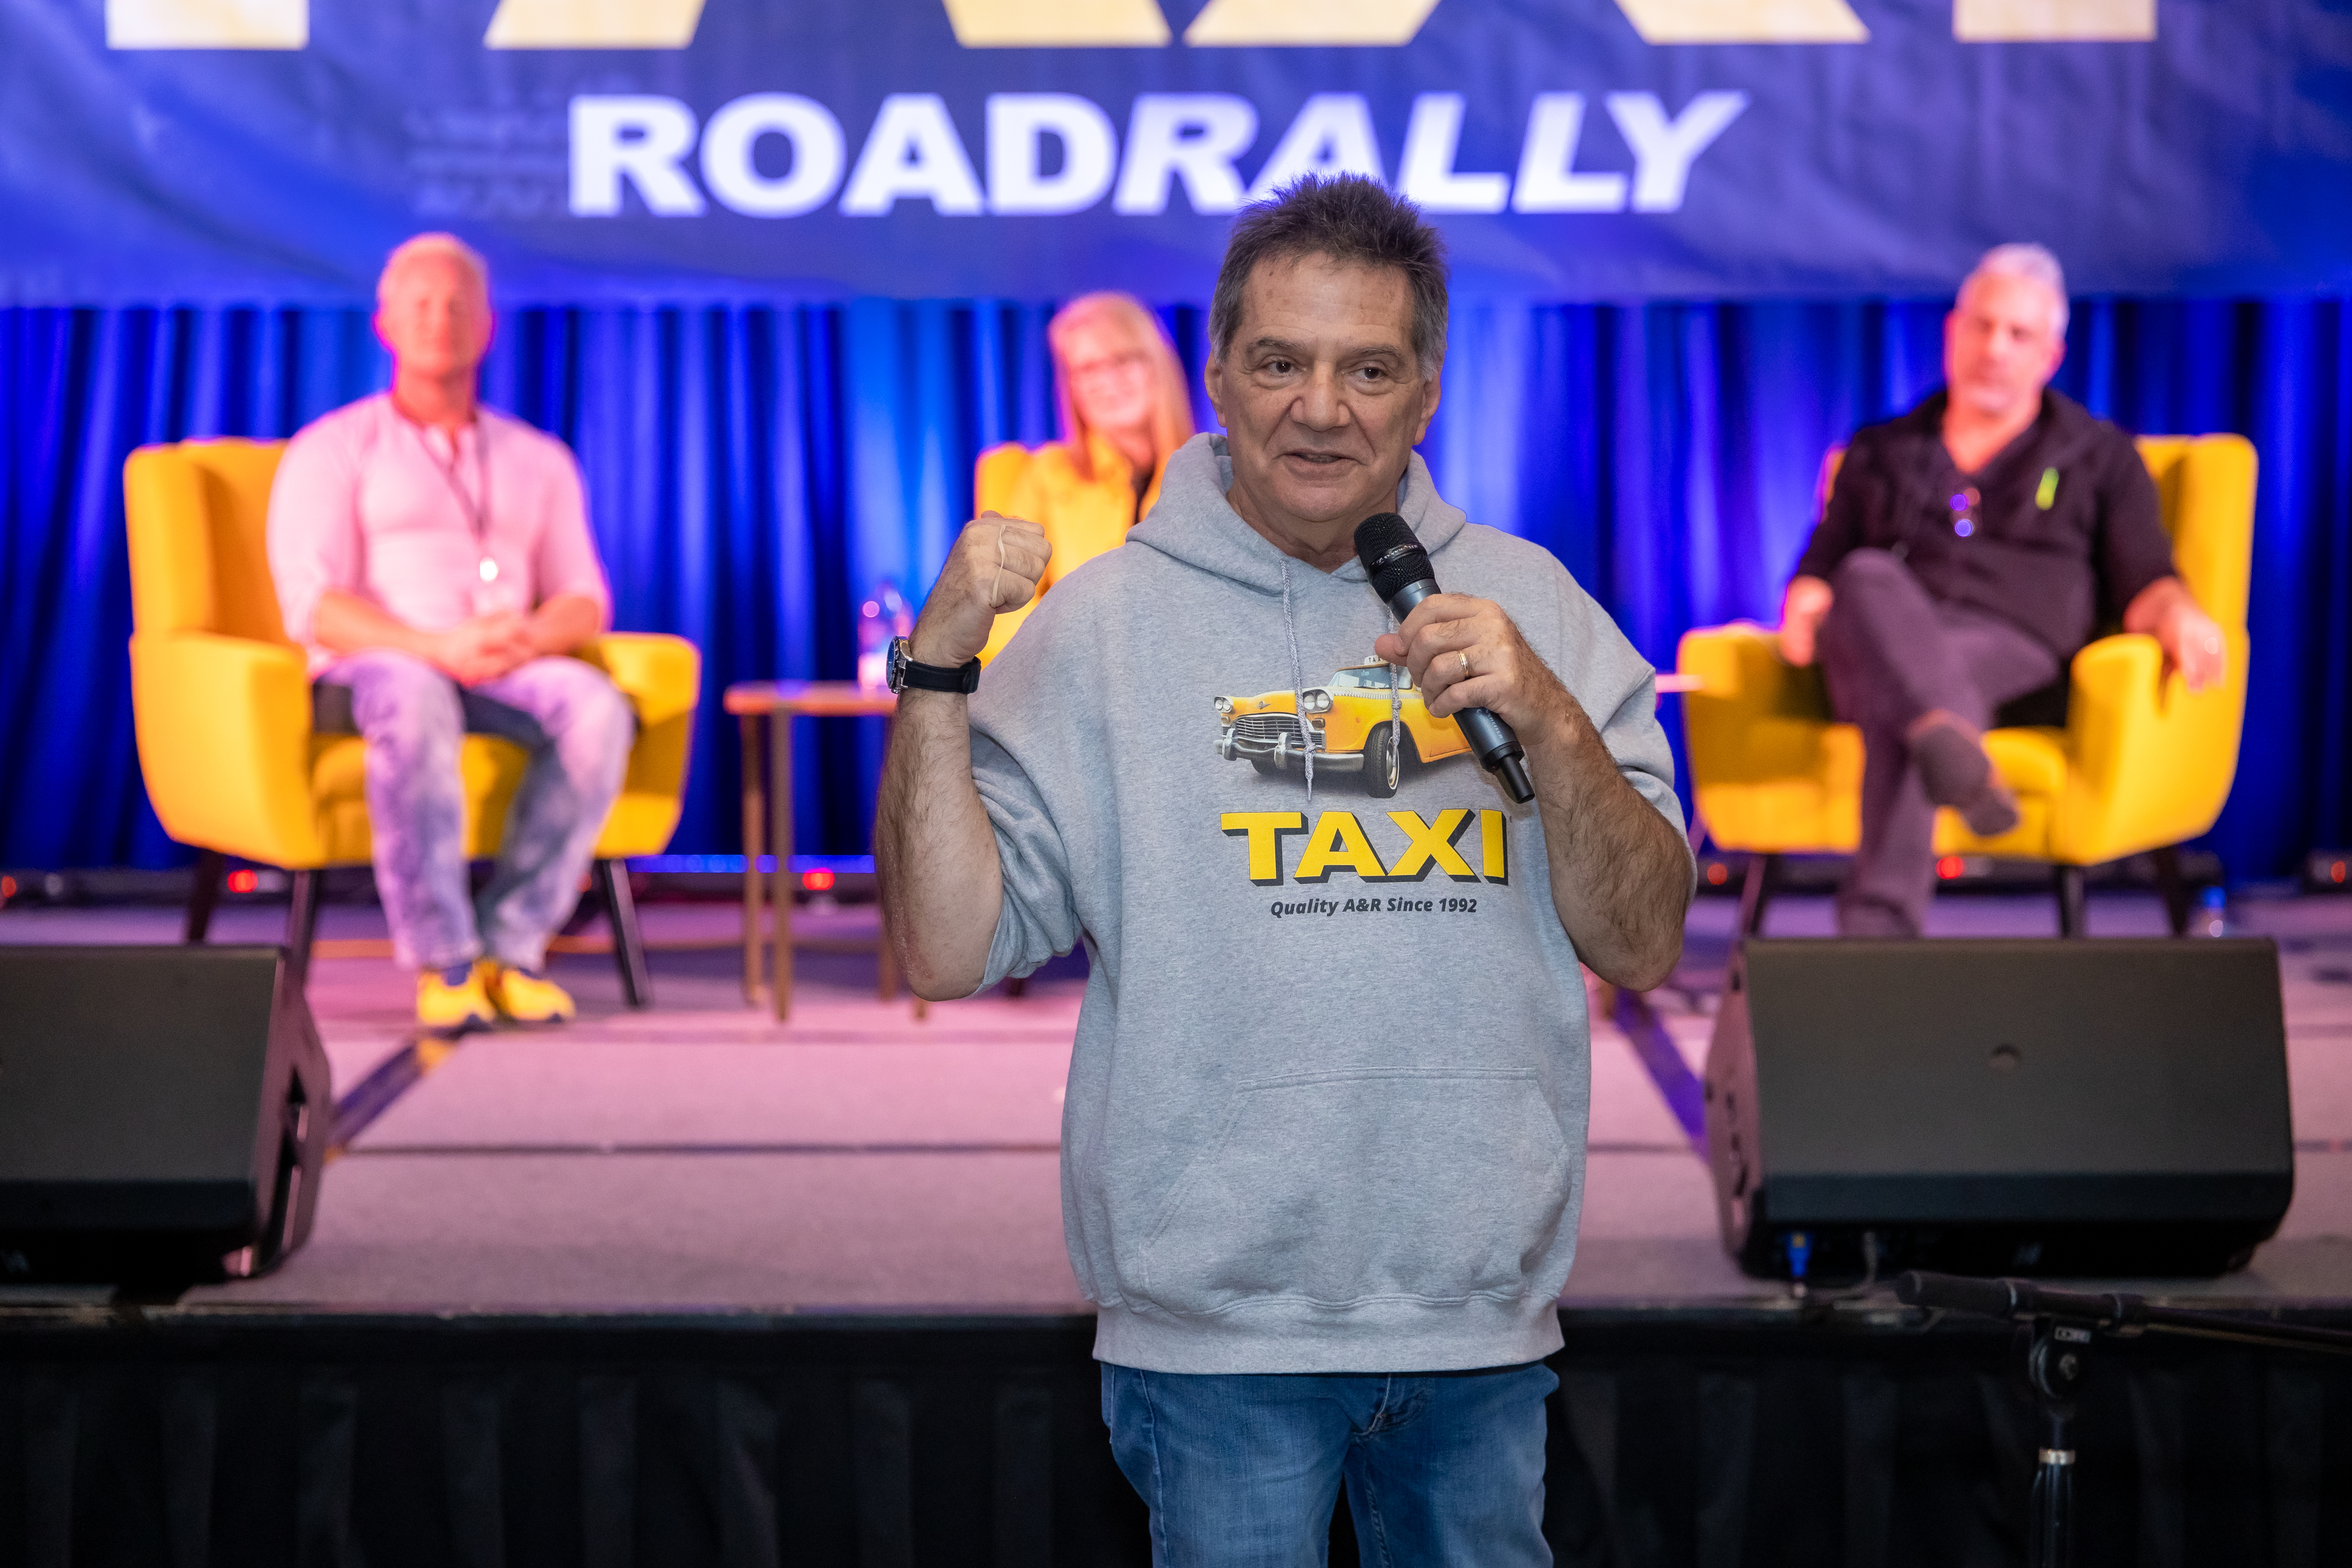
{"points": [[240, 150]]}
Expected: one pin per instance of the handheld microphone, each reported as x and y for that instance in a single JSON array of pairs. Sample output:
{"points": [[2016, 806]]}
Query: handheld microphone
{"points": [[1400, 573]]}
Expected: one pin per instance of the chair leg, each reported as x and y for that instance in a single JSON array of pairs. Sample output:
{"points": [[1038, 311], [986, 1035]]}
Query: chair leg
{"points": [[2174, 888], [2071, 919], [204, 893], [1756, 894], [301, 922], [629, 941]]}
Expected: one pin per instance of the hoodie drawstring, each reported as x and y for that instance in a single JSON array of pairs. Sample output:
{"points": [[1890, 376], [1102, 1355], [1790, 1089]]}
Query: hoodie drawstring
{"points": [[1297, 681]]}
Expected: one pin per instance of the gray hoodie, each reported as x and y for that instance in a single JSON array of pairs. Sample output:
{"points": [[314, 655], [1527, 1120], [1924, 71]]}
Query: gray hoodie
{"points": [[1327, 1105]]}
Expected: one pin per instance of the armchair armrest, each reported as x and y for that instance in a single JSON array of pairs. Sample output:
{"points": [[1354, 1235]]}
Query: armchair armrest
{"points": [[660, 675], [2151, 761], [1753, 716], [1741, 664], [1769, 770], [224, 727]]}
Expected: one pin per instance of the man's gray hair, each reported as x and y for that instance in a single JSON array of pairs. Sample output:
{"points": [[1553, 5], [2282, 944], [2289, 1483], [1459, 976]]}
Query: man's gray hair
{"points": [[2032, 262], [418, 247], [1356, 222]]}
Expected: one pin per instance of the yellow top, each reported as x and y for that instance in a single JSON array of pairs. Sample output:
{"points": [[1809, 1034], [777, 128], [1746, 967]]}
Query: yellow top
{"points": [[1082, 517]]}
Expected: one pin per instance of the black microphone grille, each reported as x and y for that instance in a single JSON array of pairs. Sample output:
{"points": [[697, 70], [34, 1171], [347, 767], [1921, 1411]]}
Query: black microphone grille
{"points": [[1392, 555]]}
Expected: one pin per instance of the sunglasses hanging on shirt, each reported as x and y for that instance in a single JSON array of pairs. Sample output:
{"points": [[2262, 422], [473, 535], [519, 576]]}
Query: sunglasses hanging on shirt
{"points": [[1964, 511]]}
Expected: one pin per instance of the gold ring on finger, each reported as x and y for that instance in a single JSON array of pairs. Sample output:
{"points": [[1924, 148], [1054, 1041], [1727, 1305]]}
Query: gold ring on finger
{"points": [[1464, 656]]}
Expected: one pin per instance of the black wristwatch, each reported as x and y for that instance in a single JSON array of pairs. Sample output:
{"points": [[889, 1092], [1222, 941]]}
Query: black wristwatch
{"points": [[902, 671]]}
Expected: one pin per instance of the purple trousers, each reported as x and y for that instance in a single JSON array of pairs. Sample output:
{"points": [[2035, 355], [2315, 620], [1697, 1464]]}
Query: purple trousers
{"points": [[1892, 654], [578, 729]]}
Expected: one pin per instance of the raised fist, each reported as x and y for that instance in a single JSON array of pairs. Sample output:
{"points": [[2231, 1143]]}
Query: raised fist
{"points": [[995, 566]]}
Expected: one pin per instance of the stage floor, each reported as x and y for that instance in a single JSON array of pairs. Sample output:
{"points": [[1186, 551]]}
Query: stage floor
{"points": [[698, 1158]]}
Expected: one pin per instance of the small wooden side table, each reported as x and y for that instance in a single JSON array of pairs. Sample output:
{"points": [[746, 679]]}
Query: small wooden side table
{"points": [[773, 705]]}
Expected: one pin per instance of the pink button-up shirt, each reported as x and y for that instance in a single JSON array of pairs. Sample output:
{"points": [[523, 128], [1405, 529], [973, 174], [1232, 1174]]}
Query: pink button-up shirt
{"points": [[372, 503]]}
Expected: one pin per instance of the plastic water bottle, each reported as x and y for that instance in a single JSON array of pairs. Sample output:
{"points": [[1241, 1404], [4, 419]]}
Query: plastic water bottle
{"points": [[881, 618], [1798, 1246]]}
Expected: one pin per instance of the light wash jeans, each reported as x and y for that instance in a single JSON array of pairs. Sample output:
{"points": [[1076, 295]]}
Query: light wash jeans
{"points": [[578, 730], [1443, 1470]]}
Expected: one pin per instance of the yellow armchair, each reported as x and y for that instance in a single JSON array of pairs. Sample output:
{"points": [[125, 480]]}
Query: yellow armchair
{"points": [[2142, 764], [221, 700]]}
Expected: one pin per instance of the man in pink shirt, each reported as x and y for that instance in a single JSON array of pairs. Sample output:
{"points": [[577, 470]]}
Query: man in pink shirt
{"points": [[434, 556]]}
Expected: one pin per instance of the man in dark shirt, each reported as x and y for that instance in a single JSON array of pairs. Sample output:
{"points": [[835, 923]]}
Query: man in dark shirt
{"points": [[1968, 550]]}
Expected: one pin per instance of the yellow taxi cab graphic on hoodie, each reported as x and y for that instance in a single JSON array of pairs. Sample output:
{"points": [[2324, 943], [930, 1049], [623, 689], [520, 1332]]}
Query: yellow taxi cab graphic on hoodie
{"points": [[1367, 719]]}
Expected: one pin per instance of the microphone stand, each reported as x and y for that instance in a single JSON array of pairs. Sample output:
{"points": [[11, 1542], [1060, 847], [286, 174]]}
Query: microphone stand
{"points": [[2064, 1323]]}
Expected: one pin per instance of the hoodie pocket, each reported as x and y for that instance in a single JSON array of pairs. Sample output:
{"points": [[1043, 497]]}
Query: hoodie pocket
{"points": [[1340, 1188]]}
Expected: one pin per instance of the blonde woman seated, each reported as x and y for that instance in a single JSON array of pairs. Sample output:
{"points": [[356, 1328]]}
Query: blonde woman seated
{"points": [[1124, 411]]}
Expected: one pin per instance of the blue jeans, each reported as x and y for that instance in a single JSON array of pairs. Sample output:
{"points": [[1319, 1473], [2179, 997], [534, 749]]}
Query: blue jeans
{"points": [[578, 729], [1244, 1471]]}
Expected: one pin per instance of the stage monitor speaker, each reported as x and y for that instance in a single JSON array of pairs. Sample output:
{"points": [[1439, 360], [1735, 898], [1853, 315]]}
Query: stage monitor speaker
{"points": [[2050, 1106], [163, 1113]]}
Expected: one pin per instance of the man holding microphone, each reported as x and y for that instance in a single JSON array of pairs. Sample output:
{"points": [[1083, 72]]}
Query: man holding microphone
{"points": [[1323, 1138]]}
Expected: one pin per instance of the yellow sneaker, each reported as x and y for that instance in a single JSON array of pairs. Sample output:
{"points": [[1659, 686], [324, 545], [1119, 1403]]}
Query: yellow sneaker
{"points": [[525, 997], [453, 1008]]}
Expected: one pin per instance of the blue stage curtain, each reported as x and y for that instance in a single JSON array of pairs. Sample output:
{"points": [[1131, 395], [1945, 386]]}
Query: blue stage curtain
{"points": [[754, 470]]}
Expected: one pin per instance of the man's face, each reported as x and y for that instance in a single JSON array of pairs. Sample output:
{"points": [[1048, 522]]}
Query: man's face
{"points": [[2001, 347], [1321, 397], [434, 317]]}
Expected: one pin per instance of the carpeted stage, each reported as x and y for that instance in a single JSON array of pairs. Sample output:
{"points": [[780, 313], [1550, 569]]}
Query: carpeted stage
{"points": [[689, 1286]]}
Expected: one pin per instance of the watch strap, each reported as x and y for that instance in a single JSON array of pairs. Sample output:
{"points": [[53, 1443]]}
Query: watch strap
{"points": [[963, 678]]}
